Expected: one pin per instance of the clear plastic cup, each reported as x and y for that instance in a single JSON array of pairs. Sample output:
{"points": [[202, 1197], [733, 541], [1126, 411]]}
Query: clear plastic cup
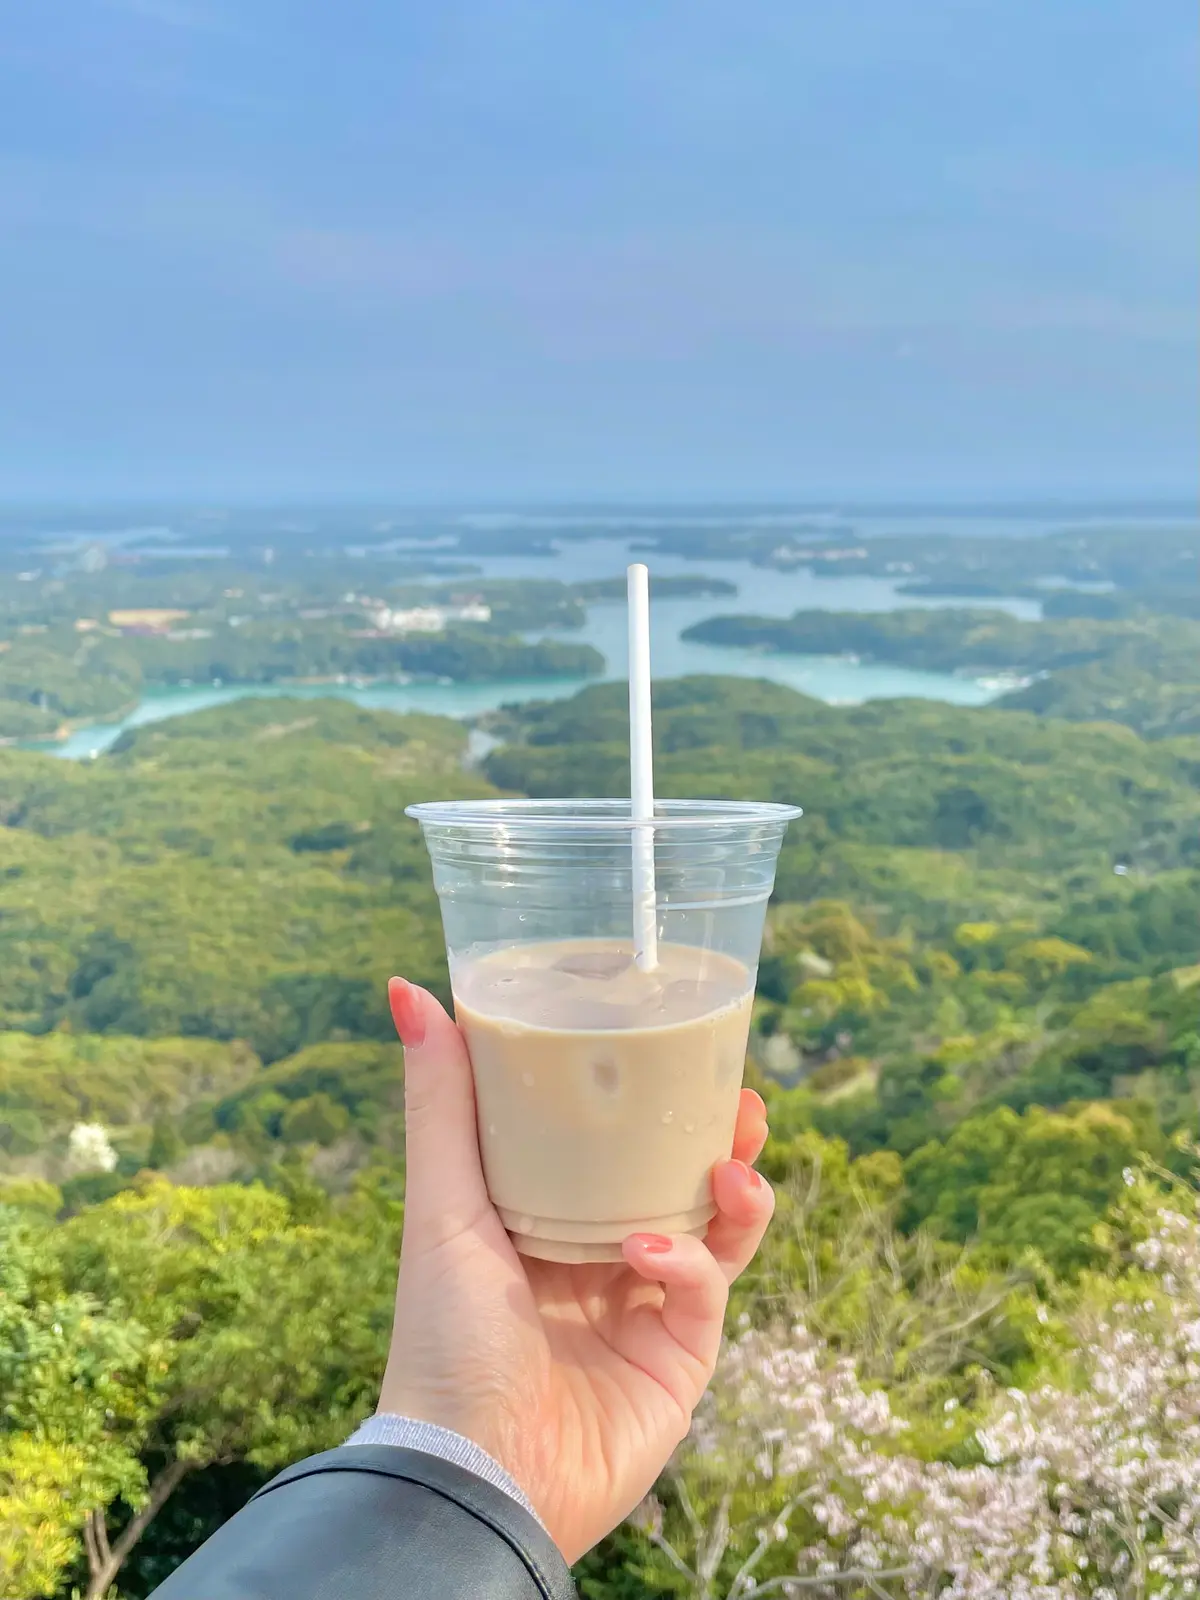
{"points": [[604, 1093]]}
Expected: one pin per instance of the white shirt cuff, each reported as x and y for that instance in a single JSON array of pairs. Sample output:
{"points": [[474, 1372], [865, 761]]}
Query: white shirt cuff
{"points": [[408, 1434]]}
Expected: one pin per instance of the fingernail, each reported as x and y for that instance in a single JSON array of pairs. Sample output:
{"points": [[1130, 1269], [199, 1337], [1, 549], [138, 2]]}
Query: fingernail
{"points": [[747, 1174], [759, 1103], [407, 1013], [654, 1244]]}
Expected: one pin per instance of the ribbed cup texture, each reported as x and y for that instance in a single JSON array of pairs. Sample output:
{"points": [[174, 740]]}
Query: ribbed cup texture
{"points": [[526, 871]]}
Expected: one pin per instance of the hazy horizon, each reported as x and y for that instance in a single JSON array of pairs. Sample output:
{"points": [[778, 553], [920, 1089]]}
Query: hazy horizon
{"points": [[559, 510]]}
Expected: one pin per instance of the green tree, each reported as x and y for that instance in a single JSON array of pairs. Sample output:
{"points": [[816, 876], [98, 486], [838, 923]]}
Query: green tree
{"points": [[1040, 1181], [183, 1327], [316, 1119], [77, 1388], [166, 1145]]}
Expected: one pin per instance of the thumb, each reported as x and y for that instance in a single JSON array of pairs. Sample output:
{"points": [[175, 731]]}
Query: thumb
{"points": [[445, 1191]]}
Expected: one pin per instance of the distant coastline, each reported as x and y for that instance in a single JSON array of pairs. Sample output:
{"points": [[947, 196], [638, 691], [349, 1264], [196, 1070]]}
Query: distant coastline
{"points": [[1085, 621]]}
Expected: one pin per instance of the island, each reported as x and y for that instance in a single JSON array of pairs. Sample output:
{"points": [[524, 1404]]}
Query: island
{"points": [[93, 667], [1143, 671]]}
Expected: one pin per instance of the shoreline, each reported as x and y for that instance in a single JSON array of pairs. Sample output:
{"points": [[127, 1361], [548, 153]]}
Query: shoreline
{"points": [[517, 690], [64, 730], [157, 691]]}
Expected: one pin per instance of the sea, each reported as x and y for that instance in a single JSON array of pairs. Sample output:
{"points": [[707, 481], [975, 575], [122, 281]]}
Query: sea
{"points": [[838, 680]]}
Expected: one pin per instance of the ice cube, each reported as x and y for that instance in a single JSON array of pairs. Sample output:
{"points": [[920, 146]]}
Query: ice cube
{"points": [[607, 1075], [594, 964]]}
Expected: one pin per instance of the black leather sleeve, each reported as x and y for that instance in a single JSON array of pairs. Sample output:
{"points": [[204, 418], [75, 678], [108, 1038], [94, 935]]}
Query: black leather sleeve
{"points": [[372, 1522]]}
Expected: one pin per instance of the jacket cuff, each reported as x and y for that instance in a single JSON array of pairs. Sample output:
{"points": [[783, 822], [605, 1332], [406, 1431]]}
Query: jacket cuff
{"points": [[406, 1433]]}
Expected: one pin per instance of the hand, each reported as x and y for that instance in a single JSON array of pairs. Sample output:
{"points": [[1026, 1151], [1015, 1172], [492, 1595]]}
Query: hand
{"points": [[579, 1380]]}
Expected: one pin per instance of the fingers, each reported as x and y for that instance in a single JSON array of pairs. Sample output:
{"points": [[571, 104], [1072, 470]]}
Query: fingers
{"points": [[750, 1134], [745, 1201], [678, 1344], [444, 1187], [745, 1205]]}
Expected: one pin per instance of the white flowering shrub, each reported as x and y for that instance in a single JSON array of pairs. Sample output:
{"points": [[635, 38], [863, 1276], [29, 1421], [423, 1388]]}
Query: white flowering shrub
{"points": [[89, 1149], [797, 1480]]}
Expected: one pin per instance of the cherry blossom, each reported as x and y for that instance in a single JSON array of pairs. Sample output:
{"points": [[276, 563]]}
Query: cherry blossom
{"points": [[797, 1479]]}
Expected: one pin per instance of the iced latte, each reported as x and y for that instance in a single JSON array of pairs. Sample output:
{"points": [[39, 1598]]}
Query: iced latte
{"points": [[604, 1093], [606, 1085]]}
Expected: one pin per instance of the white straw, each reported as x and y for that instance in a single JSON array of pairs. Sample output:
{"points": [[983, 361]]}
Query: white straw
{"points": [[641, 770]]}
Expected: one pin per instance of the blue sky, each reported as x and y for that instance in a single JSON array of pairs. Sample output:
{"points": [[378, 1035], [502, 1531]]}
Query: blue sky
{"points": [[597, 248]]}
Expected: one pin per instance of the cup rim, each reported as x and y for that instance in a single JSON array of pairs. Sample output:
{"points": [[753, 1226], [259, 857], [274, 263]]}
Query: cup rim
{"points": [[606, 815]]}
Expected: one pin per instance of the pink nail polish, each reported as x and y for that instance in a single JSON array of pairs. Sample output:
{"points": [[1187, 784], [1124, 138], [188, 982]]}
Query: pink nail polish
{"points": [[407, 1013], [654, 1244]]}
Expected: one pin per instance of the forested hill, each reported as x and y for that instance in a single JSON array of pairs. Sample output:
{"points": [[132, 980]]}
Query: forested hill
{"points": [[978, 1015], [1038, 809], [242, 873], [1143, 670], [248, 873]]}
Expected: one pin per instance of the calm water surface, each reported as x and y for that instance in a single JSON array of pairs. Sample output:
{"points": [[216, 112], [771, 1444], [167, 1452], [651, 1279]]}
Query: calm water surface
{"points": [[836, 680]]}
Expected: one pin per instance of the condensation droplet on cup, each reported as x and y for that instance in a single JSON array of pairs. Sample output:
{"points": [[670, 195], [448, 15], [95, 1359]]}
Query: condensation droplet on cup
{"points": [[492, 1130], [668, 1116], [524, 1225], [527, 1079], [689, 1127]]}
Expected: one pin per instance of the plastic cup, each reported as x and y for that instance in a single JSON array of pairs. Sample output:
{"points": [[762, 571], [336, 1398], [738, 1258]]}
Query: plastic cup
{"points": [[604, 1094]]}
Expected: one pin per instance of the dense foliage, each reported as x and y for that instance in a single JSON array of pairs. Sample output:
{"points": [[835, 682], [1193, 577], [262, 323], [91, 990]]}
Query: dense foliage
{"points": [[134, 1333], [1143, 671], [247, 873], [48, 680], [978, 1027]]}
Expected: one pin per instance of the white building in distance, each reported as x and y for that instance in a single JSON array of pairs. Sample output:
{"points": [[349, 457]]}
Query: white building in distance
{"points": [[428, 619]]}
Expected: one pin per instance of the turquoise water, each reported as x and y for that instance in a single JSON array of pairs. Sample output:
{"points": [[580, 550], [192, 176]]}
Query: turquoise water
{"points": [[446, 700], [836, 680]]}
